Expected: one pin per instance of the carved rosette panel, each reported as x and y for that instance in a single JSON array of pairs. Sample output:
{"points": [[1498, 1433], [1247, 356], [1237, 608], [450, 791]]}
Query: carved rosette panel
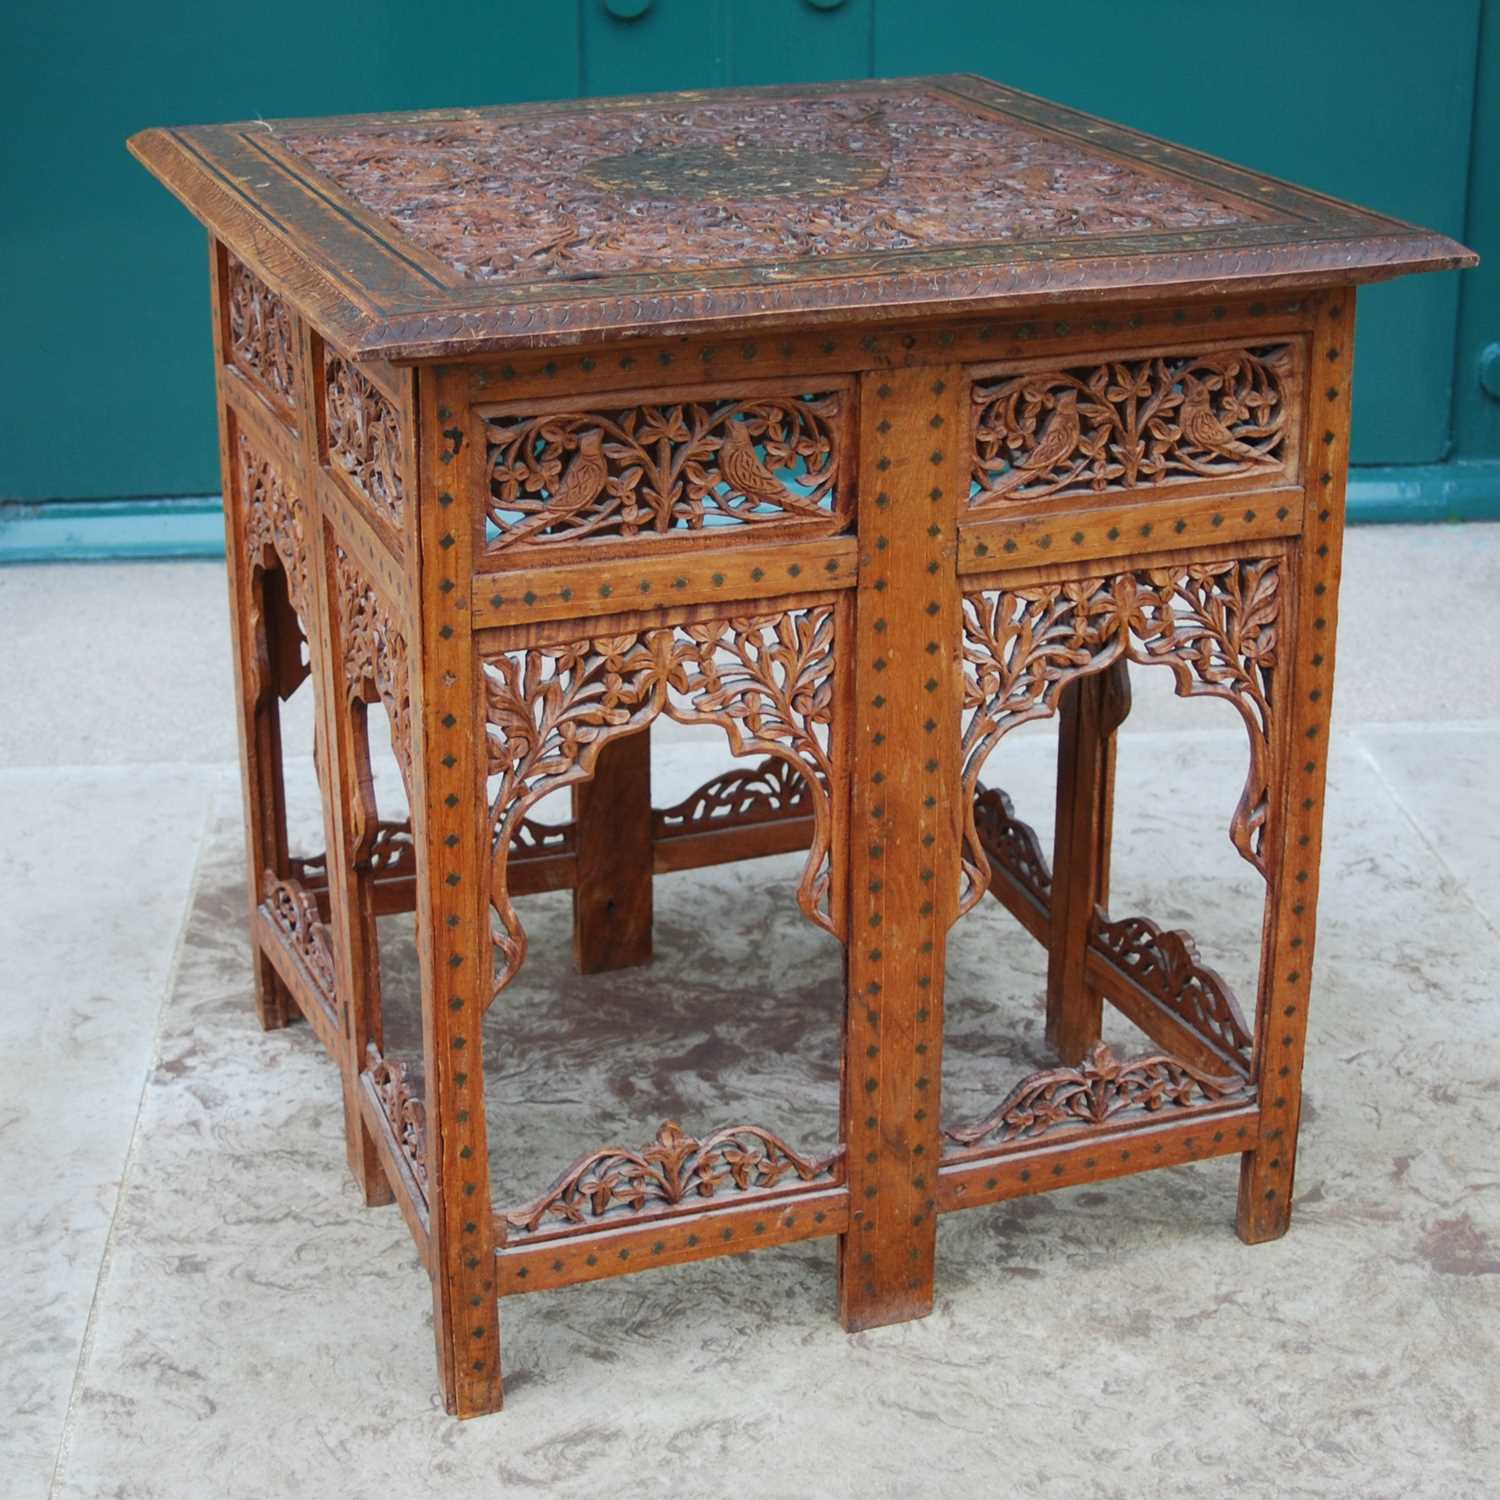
{"points": [[674, 1169], [1102, 1087], [374, 655], [364, 437], [403, 1108], [262, 336], [763, 793], [1132, 423], [668, 471], [275, 521], [1167, 966], [1213, 624], [766, 680], [294, 914], [1012, 844]]}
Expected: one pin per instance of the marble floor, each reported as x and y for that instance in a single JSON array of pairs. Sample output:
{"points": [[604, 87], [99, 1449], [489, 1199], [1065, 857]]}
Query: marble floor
{"points": [[194, 1303]]}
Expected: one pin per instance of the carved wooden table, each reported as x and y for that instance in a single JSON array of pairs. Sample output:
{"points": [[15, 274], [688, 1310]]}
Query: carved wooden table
{"points": [[865, 423]]}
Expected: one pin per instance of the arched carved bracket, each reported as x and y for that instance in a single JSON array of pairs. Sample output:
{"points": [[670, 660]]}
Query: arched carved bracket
{"points": [[1167, 966], [766, 680], [1101, 1087], [674, 1169], [1214, 625], [404, 1109], [375, 666], [743, 795], [294, 913]]}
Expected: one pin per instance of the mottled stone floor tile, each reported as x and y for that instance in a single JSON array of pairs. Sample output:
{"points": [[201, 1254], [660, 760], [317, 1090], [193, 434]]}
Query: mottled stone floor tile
{"points": [[258, 1333], [85, 972], [1447, 779]]}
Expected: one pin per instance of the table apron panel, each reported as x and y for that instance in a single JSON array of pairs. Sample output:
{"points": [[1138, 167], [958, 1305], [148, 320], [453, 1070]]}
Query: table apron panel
{"points": [[614, 585], [1139, 525]]}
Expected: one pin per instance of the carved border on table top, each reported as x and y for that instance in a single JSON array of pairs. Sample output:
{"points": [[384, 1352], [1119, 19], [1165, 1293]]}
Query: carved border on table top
{"points": [[1214, 625], [676, 466], [262, 339], [363, 437], [1133, 422], [375, 658], [1101, 1088], [767, 680], [674, 1169]]}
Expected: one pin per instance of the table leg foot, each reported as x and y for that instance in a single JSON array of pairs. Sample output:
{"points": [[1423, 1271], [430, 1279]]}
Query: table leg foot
{"points": [[1265, 1202]]}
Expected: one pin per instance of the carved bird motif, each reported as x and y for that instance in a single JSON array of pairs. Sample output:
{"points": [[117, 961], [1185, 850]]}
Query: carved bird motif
{"points": [[1058, 438], [741, 465], [580, 486], [1202, 427]]}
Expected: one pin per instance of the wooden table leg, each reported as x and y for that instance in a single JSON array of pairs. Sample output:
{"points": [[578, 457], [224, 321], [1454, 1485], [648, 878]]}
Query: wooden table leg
{"points": [[1092, 709], [1304, 694], [450, 822], [612, 897], [256, 699], [903, 838]]}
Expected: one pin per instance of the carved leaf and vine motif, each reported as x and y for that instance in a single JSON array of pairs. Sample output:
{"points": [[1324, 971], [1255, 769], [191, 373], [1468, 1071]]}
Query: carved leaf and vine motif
{"points": [[1102, 1087], [1213, 624], [262, 337], [403, 1108], [674, 1169], [1012, 844], [763, 793], [275, 520], [364, 437], [375, 656], [766, 680], [294, 913], [1130, 423], [668, 470], [512, 198], [1167, 966]]}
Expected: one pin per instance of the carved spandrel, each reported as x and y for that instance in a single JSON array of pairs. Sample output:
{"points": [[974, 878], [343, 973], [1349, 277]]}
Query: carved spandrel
{"points": [[375, 657], [262, 336], [275, 519], [1128, 424], [1214, 625], [766, 680], [668, 470]]}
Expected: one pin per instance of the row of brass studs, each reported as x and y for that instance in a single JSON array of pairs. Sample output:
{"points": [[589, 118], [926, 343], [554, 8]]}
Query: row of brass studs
{"points": [[903, 344]]}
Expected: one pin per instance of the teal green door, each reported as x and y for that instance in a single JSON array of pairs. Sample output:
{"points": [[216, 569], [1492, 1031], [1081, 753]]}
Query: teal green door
{"points": [[1388, 103]]}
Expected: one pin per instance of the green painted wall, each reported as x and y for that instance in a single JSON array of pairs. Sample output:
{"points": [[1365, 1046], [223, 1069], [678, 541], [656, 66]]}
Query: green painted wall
{"points": [[1390, 103]]}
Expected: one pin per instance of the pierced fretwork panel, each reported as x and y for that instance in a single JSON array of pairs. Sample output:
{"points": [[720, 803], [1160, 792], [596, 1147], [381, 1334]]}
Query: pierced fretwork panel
{"points": [[678, 466], [1131, 423], [363, 435], [262, 337], [1214, 625], [767, 681]]}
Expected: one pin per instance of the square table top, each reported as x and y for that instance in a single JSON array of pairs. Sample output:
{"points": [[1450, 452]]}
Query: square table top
{"points": [[439, 234]]}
